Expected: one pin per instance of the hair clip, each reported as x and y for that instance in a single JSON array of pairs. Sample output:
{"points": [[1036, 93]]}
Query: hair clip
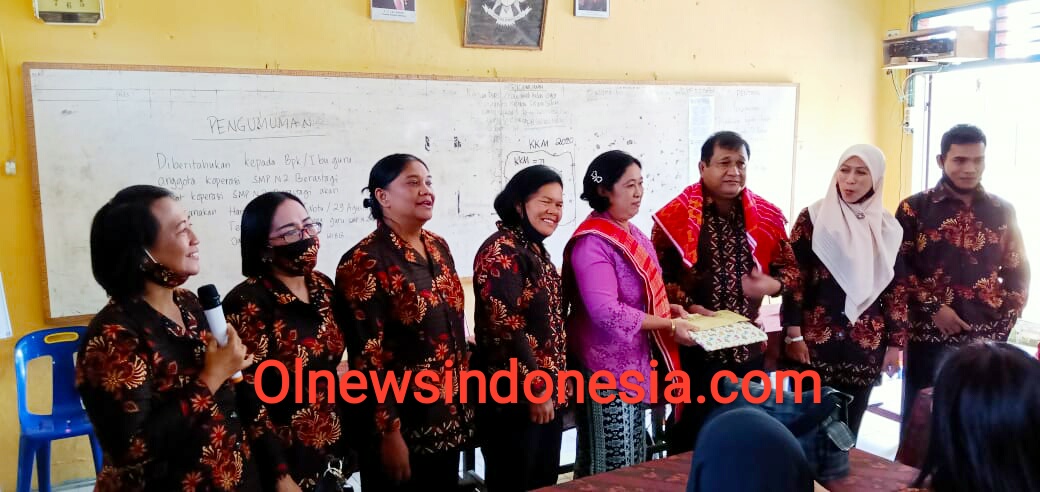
{"points": [[596, 178]]}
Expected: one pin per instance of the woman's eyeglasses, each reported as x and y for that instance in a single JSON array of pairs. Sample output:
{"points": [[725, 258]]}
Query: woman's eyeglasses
{"points": [[312, 229]]}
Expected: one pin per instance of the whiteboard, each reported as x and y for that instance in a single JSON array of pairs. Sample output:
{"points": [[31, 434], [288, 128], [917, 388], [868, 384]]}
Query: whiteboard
{"points": [[219, 138]]}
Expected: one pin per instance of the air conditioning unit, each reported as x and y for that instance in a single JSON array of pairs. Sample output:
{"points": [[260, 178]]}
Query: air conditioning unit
{"points": [[930, 47]]}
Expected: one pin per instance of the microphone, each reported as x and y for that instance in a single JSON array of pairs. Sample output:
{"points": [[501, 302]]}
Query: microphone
{"points": [[210, 300]]}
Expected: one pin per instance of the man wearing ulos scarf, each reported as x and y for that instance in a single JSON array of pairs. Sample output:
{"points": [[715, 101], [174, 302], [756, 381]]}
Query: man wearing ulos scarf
{"points": [[968, 273], [721, 246]]}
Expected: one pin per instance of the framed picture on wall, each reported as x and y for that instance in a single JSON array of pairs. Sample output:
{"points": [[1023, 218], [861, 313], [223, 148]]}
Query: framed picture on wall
{"points": [[510, 24], [394, 10], [592, 8]]}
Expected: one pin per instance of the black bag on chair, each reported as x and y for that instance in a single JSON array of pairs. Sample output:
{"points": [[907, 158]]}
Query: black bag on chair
{"points": [[821, 428]]}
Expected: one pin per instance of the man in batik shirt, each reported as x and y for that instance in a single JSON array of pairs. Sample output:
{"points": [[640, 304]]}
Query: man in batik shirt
{"points": [[720, 247], [968, 271]]}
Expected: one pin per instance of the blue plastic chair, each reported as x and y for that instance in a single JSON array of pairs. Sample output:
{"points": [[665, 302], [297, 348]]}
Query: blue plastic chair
{"points": [[67, 418]]}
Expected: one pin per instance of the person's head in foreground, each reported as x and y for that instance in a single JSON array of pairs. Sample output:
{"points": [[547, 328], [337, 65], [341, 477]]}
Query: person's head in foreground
{"points": [[985, 430], [745, 449]]}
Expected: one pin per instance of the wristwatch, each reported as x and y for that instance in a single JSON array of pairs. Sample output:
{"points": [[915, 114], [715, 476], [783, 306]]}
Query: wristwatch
{"points": [[790, 340]]}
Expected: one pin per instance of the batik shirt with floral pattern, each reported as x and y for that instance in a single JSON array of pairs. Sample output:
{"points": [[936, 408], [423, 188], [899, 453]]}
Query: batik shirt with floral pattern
{"points": [[276, 325], [519, 311], [714, 282], [159, 425], [402, 312], [843, 352], [968, 257]]}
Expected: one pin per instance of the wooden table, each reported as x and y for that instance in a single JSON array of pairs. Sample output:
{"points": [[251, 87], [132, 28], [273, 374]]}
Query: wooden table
{"points": [[867, 473]]}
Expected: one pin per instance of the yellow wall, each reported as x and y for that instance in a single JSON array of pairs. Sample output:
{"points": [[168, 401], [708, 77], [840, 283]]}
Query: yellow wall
{"points": [[830, 47]]}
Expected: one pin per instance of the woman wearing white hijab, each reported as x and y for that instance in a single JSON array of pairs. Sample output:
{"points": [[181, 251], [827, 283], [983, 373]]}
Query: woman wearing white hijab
{"points": [[848, 319]]}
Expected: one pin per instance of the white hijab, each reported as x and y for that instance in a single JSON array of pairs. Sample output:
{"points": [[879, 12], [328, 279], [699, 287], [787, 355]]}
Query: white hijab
{"points": [[859, 253]]}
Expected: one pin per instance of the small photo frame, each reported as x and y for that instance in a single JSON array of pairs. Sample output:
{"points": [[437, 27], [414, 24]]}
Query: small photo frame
{"points": [[394, 10], [508, 24], [592, 8]]}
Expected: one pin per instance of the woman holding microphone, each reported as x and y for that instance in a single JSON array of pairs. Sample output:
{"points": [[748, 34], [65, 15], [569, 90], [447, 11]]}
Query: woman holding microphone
{"points": [[153, 380]]}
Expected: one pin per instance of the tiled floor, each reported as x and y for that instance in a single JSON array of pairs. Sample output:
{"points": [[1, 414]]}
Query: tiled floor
{"points": [[877, 434]]}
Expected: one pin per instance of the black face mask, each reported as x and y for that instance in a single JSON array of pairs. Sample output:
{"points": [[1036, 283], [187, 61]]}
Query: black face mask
{"points": [[160, 274], [529, 230], [949, 182], [297, 258]]}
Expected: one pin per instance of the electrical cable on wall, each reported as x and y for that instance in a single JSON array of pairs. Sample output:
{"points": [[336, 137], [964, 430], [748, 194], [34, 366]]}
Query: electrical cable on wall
{"points": [[901, 89]]}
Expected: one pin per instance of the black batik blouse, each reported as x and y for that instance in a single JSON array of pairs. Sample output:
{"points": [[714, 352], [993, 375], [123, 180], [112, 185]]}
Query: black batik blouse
{"points": [[159, 425], [518, 310], [401, 312], [842, 351], [276, 325]]}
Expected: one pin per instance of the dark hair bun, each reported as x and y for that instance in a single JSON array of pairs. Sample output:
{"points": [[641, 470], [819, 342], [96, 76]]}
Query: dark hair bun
{"points": [[367, 203]]}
